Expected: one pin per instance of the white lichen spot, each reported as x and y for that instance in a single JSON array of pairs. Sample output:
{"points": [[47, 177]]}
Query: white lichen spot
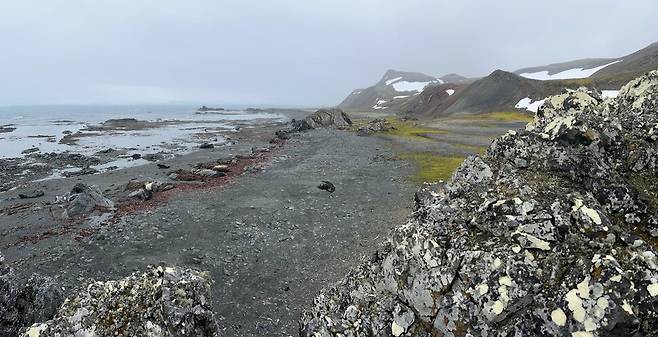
{"points": [[482, 288], [591, 213], [602, 303], [538, 243], [516, 248], [653, 289], [575, 305], [170, 270], [431, 262], [589, 325], [35, 330], [558, 317], [529, 256], [616, 278], [583, 288], [505, 280], [497, 307], [497, 263], [396, 329], [627, 307]]}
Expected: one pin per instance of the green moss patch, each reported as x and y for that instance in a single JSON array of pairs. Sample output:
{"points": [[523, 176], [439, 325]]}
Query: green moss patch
{"points": [[411, 129], [502, 116], [432, 167]]}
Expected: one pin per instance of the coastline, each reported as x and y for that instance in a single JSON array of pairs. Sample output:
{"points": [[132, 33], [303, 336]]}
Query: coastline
{"points": [[267, 234]]}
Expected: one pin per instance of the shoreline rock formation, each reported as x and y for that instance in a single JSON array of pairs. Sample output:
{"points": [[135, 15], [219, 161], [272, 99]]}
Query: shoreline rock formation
{"points": [[323, 118], [554, 232]]}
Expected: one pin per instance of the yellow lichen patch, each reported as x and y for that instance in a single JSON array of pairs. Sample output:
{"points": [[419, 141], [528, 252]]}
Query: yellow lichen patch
{"points": [[432, 167], [502, 116]]}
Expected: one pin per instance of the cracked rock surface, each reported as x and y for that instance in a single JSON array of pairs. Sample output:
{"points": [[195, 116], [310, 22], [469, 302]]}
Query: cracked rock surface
{"points": [[23, 302], [553, 232]]}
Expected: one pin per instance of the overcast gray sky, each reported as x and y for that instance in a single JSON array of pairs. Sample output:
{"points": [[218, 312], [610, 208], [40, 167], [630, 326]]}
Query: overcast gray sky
{"points": [[288, 52]]}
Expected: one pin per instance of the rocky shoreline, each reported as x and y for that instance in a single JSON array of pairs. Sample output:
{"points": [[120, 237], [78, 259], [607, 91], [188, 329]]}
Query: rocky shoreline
{"points": [[158, 225]]}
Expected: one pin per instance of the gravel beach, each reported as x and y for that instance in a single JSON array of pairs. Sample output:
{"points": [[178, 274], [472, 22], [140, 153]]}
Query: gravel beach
{"points": [[271, 239]]}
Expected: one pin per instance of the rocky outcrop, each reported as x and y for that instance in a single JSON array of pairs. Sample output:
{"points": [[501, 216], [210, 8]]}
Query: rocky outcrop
{"points": [[163, 301], [324, 118], [23, 302], [554, 232], [374, 126]]}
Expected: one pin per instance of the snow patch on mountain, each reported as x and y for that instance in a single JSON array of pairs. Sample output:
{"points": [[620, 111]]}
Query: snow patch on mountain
{"points": [[388, 82], [566, 74], [450, 92], [404, 86], [379, 104], [529, 105]]}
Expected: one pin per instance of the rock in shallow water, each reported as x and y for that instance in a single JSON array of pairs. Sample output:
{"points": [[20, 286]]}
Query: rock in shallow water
{"points": [[163, 301], [549, 234]]}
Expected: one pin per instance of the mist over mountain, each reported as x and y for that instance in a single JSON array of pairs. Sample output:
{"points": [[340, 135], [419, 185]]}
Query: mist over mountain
{"points": [[287, 52]]}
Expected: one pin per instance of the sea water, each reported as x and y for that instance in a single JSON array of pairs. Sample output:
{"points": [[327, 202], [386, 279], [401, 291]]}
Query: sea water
{"points": [[43, 127]]}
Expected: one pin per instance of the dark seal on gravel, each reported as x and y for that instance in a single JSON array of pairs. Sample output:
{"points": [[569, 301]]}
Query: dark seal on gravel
{"points": [[552, 233], [327, 186]]}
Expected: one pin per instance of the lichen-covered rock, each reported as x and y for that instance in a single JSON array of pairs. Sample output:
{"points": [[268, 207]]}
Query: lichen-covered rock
{"points": [[163, 301], [23, 302], [552, 233]]}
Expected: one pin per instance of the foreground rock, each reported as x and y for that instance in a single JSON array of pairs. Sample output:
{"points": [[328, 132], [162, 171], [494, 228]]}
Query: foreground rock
{"points": [[24, 302], [551, 233], [324, 118], [163, 301]]}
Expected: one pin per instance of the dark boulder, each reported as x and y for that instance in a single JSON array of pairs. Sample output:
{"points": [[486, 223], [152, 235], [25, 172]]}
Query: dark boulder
{"points": [[31, 194], [324, 118], [327, 186], [85, 199]]}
